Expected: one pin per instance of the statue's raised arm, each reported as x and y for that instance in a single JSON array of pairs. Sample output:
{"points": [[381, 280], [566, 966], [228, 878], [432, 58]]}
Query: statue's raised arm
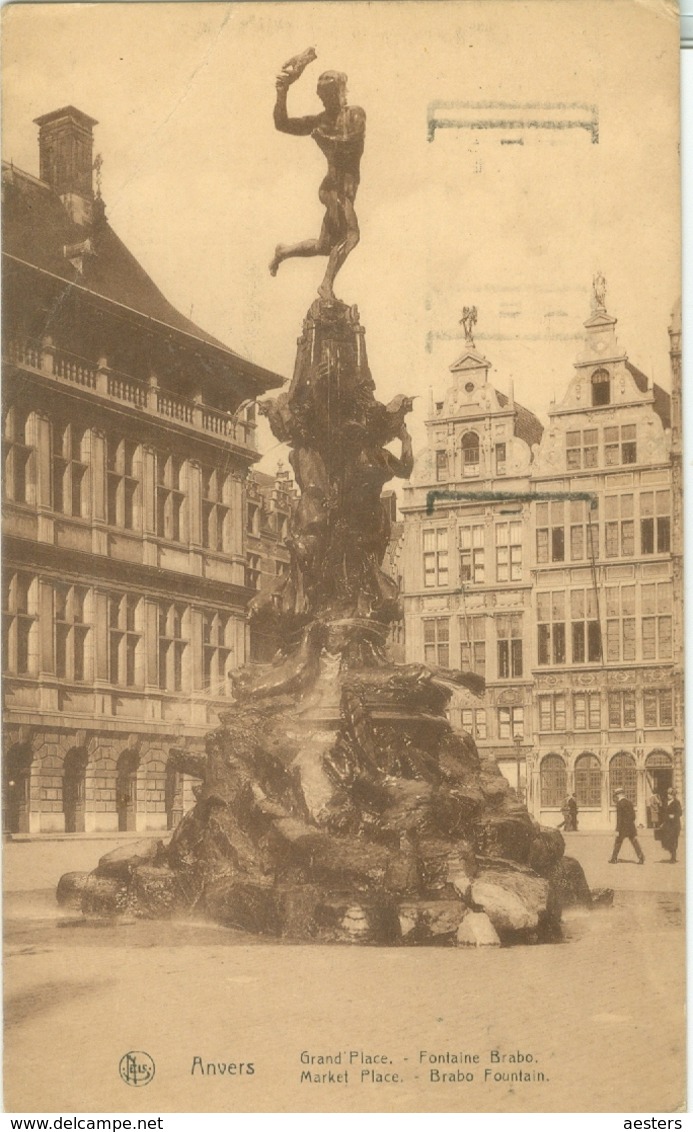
{"points": [[339, 130]]}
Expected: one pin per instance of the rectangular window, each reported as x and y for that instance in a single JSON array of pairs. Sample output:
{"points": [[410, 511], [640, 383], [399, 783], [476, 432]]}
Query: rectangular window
{"points": [[474, 722], [509, 645], [620, 623], [619, 526], [125, 666], [215, 652], [586, 711], [584, 627], [472, 553], [584, 530], [511, 723], [658, 707], [473, 645], [70, 482], [70, 631], [20, 624], [436, 633], [170, 498], [621, 710], [655, 522], [123, 483], [620, 445], [581, 449], [253, 575], [435, 556], [18, 456], [172, 646], [509, 552], [550, 519], [552, 714], [441, 465], [656, 621], [500, 459], [215, 510], [551, 627]]}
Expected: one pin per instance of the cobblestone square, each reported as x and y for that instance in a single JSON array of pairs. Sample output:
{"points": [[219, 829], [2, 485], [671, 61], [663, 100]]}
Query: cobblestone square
{"points": [[602, 1014]]}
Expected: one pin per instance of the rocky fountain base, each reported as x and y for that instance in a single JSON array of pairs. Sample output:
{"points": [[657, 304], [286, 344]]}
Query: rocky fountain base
{"points": [[352, 813]]}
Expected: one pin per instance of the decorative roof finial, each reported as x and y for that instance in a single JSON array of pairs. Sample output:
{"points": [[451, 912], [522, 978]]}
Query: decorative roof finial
{"points": [[599, 287], [98, 162], [467, 321]]}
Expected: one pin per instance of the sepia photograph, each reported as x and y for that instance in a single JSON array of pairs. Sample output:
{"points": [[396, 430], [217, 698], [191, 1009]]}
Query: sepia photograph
{"points": [[343, 624]]}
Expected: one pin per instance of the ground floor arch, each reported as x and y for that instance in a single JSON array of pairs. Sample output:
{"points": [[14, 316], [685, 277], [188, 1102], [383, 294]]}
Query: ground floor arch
{"points": [[659, 777], [16, 788], [553, 780], [126, 789], [75, 789]]}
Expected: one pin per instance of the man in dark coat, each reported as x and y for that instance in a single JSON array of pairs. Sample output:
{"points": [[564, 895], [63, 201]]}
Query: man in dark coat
{"points": [[670, 817], [625, 828]]}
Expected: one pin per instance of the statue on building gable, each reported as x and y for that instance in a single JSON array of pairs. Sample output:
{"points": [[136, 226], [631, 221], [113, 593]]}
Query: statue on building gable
{"points": [[599, 287], [468, 321]]}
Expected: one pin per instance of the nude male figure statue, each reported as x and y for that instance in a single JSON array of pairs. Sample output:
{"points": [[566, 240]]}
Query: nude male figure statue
{"points": [[339, 130]]}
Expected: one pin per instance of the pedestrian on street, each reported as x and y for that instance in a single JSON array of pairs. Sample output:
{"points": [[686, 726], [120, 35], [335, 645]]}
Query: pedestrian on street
{"points": [[655, 806], [625, 827], [565, 810], [573, 811], [670, 817]]}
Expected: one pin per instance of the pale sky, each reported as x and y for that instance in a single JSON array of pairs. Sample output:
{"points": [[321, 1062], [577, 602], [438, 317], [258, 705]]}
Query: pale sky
{"points": [[201, 187]]}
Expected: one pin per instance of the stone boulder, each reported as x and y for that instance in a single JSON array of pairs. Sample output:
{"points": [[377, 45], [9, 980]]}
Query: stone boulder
{"points": [[70, 890], [430, 921], [546, 849], [514, 901], [569, 883], [121, 862], [507, 836], [105, 896], [476, 930]]}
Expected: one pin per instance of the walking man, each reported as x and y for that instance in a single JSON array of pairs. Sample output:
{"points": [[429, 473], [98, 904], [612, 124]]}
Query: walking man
{"points": [[625, 827]]}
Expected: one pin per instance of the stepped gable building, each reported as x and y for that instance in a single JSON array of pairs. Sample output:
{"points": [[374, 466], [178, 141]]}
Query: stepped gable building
{"points": [[466, 565], [128, 435], [550, 563], [608, 690]]}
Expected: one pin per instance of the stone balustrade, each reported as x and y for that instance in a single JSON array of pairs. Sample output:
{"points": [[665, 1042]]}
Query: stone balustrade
{"points": [[46, 359]]}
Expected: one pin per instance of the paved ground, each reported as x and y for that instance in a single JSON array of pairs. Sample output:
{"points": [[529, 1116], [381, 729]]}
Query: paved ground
{"points": [[601, 1015]]}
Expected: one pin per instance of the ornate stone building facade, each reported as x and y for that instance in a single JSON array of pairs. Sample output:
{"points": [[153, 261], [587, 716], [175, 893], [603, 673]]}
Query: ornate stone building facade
{"points": [[466, 565], [128, 436], [558, 577]]}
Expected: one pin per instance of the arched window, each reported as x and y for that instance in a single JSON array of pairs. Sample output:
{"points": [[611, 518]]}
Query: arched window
{"points": [[601, 387], [553, 780], [659, 773], [658, 760], [470, 454], [588, 781], [622, 776]]}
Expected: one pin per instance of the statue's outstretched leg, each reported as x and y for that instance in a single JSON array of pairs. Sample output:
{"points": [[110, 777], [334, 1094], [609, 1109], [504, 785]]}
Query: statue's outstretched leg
{"points": [[321, 246], [288, 251]]}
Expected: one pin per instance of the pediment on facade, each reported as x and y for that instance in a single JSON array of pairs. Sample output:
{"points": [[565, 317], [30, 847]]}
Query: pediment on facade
{"points": [[470, 360], [599, 319]]}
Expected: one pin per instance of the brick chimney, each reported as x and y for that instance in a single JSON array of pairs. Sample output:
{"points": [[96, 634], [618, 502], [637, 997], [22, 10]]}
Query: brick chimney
{"points": [[66, 159]]}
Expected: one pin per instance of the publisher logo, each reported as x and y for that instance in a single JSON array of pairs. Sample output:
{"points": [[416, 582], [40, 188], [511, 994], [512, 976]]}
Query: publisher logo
{"points": [[136, 1068]]}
